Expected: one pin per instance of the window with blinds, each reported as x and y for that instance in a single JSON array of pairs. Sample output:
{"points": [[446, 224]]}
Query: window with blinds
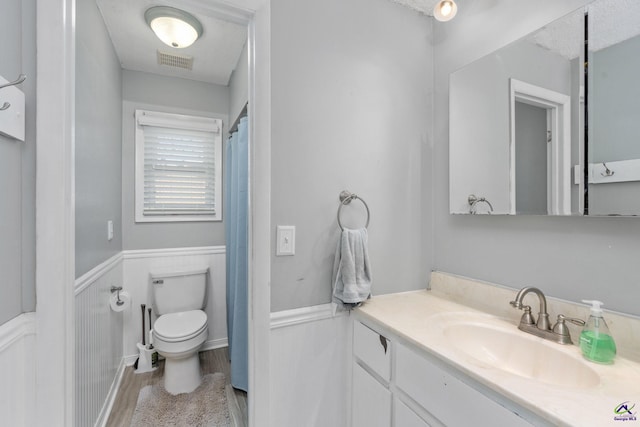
{"points": [[178, 167]]}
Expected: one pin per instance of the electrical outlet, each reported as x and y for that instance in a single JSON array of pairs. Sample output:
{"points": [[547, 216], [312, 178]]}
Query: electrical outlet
{"points": [[286, 240]]}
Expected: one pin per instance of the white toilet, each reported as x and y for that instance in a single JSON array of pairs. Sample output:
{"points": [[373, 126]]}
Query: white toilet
{"points": [[181, 328]]}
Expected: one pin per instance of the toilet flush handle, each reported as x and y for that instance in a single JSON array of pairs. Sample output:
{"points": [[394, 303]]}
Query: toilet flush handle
{"points": [[157, 281]]}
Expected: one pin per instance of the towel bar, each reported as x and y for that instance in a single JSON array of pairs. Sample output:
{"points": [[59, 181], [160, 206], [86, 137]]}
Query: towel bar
{"points": [[345, 198]]}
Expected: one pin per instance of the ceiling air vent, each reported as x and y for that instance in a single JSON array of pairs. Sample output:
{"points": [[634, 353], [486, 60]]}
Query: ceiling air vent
{"points": [[173, 60]]}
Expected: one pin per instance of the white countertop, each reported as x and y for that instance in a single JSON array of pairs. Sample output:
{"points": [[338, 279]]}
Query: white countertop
{"points": [[417, 318]]}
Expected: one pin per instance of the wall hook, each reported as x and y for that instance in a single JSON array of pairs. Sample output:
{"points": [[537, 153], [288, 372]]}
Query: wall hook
{"points": [[17, 81], [607, 172]]}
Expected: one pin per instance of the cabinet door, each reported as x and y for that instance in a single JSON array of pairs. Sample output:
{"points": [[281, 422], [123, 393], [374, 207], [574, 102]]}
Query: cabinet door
{"points": [[405, 417], [371, 401]]}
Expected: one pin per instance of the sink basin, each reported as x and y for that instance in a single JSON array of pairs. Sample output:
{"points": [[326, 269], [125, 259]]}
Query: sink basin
{"points": [[516, 352]]}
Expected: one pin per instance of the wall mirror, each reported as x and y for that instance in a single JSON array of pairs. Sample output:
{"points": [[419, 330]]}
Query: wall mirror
{"points": [[517, 120]]}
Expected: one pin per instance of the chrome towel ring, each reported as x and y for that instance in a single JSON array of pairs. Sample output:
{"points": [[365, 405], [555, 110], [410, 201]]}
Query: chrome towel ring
{"points": [[474, 200], [345, 198]]}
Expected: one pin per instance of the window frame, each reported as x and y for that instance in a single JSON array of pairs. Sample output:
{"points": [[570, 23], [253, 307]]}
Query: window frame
{"points": [[175, 121]]}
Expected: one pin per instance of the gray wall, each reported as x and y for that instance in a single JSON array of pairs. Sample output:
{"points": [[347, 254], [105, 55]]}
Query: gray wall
{"points": [[351, 110], [17, 165], [567, 257], [614, 126], [171, 95], [98, 140], [616, 198], [239, 86], [613, 102]]}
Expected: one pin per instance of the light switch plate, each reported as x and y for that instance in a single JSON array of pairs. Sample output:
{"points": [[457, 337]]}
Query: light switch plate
{"points": [[109, 230], [286, 240]]}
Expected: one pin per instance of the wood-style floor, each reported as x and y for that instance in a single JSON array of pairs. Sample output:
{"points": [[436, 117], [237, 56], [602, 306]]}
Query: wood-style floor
{"points": [[210, 362]]}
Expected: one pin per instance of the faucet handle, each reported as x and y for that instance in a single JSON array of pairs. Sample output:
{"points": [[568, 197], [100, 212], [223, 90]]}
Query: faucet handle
{"points": [[562, 318], [562, 330]]}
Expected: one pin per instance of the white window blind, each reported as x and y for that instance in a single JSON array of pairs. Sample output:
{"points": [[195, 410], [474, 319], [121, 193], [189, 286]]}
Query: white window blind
{"points": [[178, 161]]}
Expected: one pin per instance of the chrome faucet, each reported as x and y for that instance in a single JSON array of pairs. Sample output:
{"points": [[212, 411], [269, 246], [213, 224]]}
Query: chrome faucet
{"points": [[541, 328], [527, 319]]}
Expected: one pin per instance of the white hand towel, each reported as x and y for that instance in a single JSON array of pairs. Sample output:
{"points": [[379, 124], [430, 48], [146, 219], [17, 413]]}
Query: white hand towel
{"points": [[351, 269]]}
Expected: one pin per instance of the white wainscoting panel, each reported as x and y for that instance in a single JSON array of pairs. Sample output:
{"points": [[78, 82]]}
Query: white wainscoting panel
{"points": [[18, 384], [138, 264], [98, 342], [309, 370]]}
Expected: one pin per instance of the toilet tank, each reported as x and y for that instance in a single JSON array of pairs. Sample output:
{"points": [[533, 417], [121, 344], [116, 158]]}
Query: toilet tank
{"points": [[179, 290]]}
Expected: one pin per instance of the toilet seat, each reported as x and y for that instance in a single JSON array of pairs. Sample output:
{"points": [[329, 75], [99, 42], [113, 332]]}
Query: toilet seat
{"points": [[182, 326]]}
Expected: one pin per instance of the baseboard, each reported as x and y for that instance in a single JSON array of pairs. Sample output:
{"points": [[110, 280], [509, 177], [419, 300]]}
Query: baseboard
{"points": [[214, 344], [171, 252], [297, 316], [111, 397], [130, 360]]}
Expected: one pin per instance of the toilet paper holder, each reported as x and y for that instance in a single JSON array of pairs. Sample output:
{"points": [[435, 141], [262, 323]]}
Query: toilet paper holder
{"points": [[117, 289]]}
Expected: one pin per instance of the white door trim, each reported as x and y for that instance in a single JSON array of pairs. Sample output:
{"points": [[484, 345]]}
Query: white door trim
{"points": [[259, 112], [559, 112], [260, 215], [55, 207], [55, 212]]}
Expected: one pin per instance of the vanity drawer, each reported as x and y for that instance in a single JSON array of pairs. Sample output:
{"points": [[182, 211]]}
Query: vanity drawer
{"points": [[445, 396], [373, 349]]}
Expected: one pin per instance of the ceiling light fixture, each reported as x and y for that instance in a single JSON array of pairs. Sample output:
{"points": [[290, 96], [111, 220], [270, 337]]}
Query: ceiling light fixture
{"points": [[175, 27], [445, 10]]}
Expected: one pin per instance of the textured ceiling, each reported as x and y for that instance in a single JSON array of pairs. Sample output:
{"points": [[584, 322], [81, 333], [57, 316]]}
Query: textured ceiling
{"points": [[215, 54], [610, 22], [613, 21]]}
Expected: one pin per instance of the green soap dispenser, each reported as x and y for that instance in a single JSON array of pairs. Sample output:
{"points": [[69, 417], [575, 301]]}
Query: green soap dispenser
{"points": [[596, 341]]}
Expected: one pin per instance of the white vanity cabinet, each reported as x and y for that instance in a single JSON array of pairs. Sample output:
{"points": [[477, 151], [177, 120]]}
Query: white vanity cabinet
{"points": [[405, 387]]}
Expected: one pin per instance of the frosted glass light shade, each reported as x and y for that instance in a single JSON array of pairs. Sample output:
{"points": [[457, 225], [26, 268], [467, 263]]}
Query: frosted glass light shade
{"points": [[445, 10], [174, 27]]}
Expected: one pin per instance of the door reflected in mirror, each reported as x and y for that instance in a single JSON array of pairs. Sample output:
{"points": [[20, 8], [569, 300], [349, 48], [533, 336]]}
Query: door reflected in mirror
{"points": [[540, 150]]}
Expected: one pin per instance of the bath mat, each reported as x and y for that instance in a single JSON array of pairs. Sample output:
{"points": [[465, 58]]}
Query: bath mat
{"points": [[206, 406]]}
